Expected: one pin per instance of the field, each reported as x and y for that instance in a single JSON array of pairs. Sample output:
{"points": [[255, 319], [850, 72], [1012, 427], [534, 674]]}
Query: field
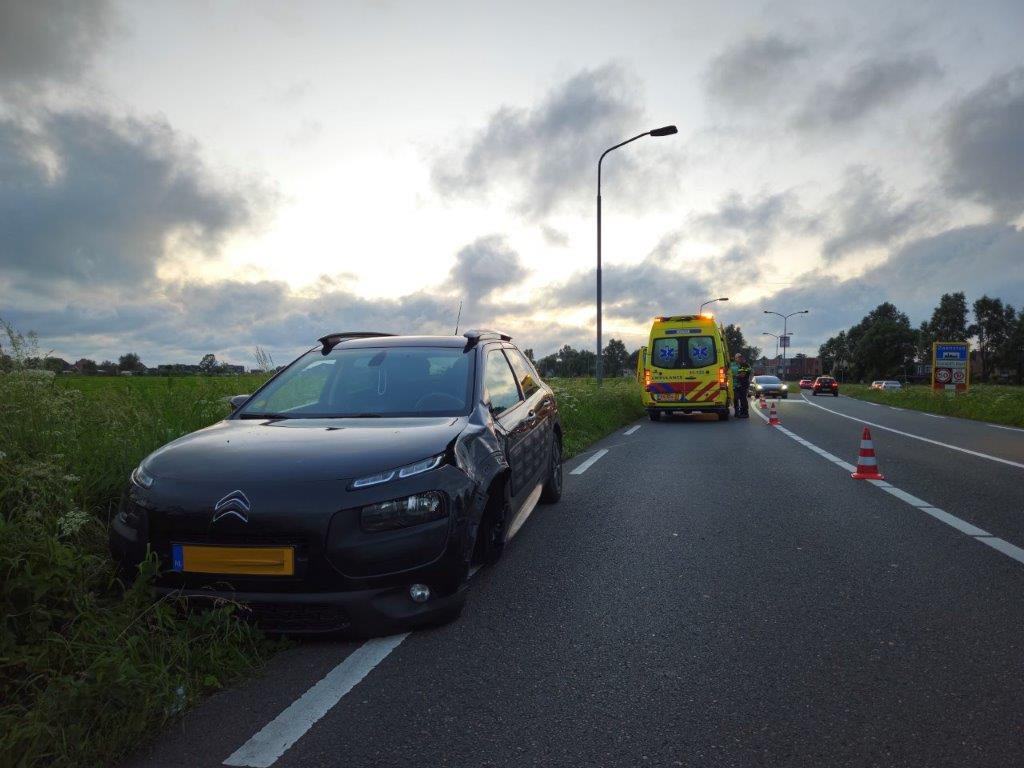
{"points": [[984, 402], [88, 668]]}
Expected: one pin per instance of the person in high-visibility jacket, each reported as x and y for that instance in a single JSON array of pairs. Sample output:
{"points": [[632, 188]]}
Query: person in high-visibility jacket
{"points": [[740, 385]]}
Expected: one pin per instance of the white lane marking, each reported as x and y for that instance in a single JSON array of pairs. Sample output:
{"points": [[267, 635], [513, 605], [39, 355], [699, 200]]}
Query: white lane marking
{"points": [[979, 454], [895, 408], [589, 462], [932, 415], [274, 739], [1005, 547], [1003, 426], [631, 430], [976, 533]]}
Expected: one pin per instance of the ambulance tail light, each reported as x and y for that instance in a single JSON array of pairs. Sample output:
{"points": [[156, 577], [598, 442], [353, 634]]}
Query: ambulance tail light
{"points": [[721, 378], [647, 377]]}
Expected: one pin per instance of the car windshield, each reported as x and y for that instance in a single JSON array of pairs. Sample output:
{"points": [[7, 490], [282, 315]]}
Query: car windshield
{"points": [[369, 382], [767, 379]]}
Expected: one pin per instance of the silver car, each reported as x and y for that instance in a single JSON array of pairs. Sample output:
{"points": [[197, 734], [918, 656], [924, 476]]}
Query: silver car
{"points": [[768, 386]]}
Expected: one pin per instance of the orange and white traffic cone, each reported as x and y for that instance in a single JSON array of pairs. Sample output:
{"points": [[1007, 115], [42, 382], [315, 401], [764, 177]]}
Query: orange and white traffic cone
{"points": [[762, 404], [773, 416], [867, 466]]}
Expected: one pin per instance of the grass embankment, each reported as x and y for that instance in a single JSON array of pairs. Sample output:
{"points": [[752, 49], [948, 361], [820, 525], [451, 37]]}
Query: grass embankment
{"points": [[984, 402], [589, 413], [88, 670]]}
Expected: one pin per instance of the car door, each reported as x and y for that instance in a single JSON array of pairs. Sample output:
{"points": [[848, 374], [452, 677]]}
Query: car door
{"points": [[502, 395], [539, 422]]}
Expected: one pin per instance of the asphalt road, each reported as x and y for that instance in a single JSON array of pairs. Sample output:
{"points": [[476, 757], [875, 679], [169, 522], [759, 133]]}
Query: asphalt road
{"points": [[706, 594]]}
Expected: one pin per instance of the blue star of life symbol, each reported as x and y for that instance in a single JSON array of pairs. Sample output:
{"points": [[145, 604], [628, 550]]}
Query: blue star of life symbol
{"points": [[699, 353], [665, 353]]}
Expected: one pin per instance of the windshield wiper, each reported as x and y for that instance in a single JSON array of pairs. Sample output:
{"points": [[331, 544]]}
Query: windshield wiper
{"points": [[264, 416]]}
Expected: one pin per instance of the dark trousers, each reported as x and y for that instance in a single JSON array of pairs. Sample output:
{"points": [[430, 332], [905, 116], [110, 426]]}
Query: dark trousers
{"points": [[740, 400]]}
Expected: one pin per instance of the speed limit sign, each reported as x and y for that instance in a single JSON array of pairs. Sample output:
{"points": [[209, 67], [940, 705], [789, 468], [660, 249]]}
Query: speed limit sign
{"points": [[959, 376], [942, 374]]}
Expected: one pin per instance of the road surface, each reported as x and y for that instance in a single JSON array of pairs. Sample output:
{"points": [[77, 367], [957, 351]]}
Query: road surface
{"points": [[706, 594]]}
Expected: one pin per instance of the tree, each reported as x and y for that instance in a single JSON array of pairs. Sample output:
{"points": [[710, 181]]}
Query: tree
{"points": [[129, 362], [208, 364], [882, 344], [991, 326], [56, 364], [528, 354], [736, 343], [85, 365], [108, 367], [615, 357], [949, 318], [1013, 354]]}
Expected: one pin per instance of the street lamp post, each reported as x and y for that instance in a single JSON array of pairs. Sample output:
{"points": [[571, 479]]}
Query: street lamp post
{"points": [[710, 301], [666, 130], [785, 332], [769, 333]]}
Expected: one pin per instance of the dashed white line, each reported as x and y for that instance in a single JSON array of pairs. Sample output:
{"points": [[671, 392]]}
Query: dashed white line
{"points": [[589, 462], [274, 739], [976, 533], [631, 430], [979, 454], [1003, 426], [895, 408], [932, 415]]}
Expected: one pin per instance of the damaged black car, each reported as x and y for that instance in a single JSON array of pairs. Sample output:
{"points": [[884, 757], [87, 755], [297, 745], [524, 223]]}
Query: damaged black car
{"points": [[357, 489]]}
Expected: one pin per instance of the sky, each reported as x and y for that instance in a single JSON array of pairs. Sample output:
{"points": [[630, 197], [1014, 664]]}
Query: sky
{"points": [[185, 177]]}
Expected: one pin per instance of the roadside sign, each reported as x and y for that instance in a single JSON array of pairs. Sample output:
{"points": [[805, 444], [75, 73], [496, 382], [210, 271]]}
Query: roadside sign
{"points": [[951, 366], [784, 341]]}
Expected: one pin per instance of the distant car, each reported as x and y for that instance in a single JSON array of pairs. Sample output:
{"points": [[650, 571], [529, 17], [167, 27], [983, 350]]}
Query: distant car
{"points": [[768, 386], [806, 383], [825, 385], [876, 384], [355, 489], [890, 385]]}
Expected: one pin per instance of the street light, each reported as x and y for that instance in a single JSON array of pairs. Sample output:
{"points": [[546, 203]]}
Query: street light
{"points": [[666, 130], [710, 301], [769, 333], [785, 333]]}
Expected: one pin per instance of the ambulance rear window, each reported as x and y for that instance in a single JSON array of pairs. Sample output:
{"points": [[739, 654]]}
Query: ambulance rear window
{"points": [[684, 352]]}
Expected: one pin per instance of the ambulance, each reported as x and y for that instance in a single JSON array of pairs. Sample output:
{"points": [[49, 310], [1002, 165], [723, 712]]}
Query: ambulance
{"points": [[685, 367]]}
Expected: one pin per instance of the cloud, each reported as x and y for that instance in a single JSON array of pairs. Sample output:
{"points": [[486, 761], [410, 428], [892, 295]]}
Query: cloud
{"points": [[869, 214], [50, 39], [484, 266], [88, 198], [984, 138], [757, 219], [751, 71], [547, 155], [870, 85]]}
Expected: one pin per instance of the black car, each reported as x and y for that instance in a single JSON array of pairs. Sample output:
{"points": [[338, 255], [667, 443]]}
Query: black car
{"points": [[768, 386], [357, 488]]}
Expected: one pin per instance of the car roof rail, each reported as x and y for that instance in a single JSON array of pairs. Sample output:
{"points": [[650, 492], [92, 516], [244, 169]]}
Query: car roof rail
{"points": [[331, 340], [477, 335]]}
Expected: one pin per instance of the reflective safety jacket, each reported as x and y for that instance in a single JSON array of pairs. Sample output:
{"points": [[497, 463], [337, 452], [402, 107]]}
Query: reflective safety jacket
{"points": [[740, 374]]}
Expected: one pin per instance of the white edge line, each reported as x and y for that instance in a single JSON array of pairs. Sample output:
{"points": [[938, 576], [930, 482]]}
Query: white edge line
{"points": [[979, 454], [277, 736], [1003, 426], [589, 462], [976, 533], [631, 430]]}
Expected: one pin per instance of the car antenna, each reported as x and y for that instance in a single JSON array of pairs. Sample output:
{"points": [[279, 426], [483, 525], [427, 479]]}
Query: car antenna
{"points": [[458, 319]]}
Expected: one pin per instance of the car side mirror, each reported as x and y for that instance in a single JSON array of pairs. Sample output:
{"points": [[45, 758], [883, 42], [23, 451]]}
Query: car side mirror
{"points": [[238, 401]]}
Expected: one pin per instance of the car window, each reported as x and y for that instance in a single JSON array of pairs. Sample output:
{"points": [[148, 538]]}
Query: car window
{"points": [[766, 379], [683, 352], [370, 381], [500, 388], [524, 372]]}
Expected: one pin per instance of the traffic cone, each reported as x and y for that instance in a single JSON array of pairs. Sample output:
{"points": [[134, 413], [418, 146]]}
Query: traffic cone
{"points": [[867, 467], [773, 416], [762, 404]]}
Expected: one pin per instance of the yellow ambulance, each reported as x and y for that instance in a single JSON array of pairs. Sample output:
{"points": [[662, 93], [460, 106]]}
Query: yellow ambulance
{"points": [[685, 367]]}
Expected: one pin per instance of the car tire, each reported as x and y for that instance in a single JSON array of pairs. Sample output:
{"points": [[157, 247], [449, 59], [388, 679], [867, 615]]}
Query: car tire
{"points": [[653, 414], [490, 539], [723, 415], [835, 394], [552, 490]]}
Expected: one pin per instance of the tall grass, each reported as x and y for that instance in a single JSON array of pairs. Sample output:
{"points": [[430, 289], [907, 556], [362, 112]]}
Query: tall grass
{"points": [[88, 667], [589, 412], [984, 402]]}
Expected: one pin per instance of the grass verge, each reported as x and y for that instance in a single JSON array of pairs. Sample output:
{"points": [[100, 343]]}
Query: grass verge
{"points": [[983, 402], [589, 413]]}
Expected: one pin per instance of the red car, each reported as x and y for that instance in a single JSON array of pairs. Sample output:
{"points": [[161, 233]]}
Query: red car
{"points": [[806, 383], [825, 385]]}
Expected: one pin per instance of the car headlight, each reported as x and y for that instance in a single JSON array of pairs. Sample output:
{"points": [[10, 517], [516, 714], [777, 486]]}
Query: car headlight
{"points": [[416, 468], [785, 386], [402, 513], [757, 387], [141, 478]]}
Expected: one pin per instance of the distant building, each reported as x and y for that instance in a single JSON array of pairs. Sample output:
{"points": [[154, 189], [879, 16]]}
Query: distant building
{"points": [[796, 367]]}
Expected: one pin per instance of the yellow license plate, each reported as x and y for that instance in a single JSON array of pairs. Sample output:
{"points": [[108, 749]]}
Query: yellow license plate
{"points": [[247, 561], [672, 397]]}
